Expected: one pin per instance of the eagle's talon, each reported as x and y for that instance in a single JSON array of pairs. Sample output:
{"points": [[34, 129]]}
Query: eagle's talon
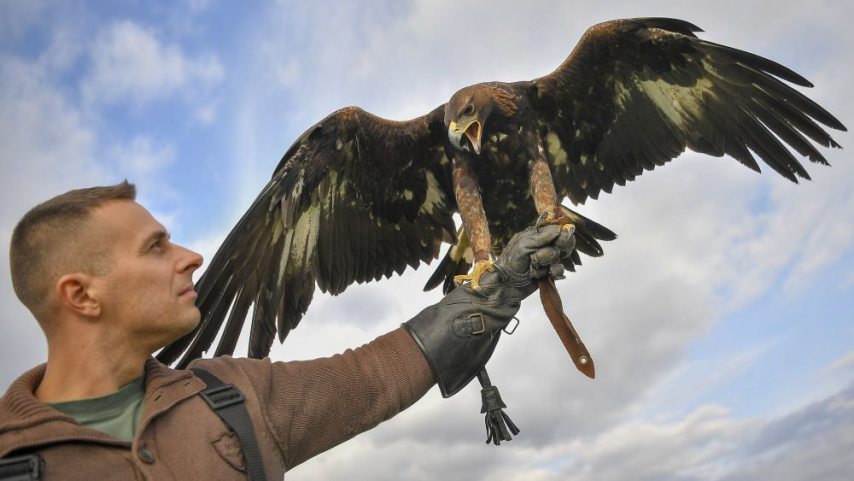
{"points": [[545, 218], [474, 277]]}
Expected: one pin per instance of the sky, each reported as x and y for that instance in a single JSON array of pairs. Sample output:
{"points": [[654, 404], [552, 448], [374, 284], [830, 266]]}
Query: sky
{"points": [[720, 319]]}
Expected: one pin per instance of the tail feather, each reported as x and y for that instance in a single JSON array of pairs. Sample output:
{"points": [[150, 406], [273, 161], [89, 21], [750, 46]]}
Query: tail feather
{"points": [[458, 260], [588, 233]]}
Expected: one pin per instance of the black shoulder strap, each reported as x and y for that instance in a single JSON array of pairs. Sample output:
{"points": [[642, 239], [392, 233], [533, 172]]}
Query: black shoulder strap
{"points": [[228, 402], [21, 468]]}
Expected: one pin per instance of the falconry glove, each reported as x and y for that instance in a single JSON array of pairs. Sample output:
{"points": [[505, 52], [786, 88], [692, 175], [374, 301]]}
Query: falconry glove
{"points": [[459, 333]]}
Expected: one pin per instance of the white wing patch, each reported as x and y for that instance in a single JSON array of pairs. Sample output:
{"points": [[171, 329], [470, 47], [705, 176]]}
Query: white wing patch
{"points": [[555, 149], [305, 238], [435, 196], [681, 105], [283, 263]]}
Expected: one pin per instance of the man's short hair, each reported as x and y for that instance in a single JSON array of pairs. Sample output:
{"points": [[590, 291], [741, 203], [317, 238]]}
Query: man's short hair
{"points": [[48, 243]]}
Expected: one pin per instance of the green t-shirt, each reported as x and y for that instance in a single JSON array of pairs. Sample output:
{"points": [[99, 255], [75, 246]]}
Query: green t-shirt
{"points": [[117, 414]]}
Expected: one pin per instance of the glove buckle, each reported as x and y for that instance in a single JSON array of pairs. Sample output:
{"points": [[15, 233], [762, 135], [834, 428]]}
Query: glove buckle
{"points": [[511, 331]]}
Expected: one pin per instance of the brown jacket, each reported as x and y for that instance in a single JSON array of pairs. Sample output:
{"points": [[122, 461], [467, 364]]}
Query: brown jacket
{"points": [[298, 409]]}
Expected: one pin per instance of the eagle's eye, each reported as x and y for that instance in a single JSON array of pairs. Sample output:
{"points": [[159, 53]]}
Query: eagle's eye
{"points": [[469, 109]]}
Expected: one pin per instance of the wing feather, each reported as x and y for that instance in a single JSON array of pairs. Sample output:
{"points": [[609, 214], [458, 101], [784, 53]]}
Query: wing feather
{"points": [[636, 93]]}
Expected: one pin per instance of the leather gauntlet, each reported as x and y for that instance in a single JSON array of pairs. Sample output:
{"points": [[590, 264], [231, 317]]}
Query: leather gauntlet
{"points": [[459, 333]]}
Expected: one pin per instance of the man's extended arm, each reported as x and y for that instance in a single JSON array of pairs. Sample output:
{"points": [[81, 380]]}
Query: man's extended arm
{"points": [[311, 406]]}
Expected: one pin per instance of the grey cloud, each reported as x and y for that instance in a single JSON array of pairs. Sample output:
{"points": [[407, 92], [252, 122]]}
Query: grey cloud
{"points": [[813, 443], [708, 444], [362, 303]]}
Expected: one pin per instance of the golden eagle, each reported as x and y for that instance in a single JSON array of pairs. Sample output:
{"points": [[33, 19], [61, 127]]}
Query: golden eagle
{"points": [[358, 197]]}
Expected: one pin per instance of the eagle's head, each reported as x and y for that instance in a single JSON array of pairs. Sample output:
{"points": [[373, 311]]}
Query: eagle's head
{"points": [[467, 111]]}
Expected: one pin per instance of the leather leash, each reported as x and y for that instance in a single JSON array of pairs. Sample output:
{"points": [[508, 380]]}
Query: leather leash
{"points": [[553, 306], [562, 325]]}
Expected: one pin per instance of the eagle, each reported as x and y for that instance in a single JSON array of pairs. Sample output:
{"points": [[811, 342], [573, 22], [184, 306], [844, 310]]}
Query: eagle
{"points": [[357, 197]]}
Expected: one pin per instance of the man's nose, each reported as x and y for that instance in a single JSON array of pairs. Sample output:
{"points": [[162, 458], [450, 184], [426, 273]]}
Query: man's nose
{"points": [[190, 260]]}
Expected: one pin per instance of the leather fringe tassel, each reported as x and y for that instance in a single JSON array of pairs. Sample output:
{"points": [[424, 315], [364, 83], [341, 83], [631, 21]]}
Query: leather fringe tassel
{"points": [[498, 423]]}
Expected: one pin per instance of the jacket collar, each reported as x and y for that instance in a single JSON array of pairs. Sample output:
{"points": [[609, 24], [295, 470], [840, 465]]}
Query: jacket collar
{"points": [[26, 422]]}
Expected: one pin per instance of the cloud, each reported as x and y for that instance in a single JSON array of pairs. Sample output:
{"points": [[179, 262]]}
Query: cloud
{"points": [[207, 113], [129, 63], [813, 443], [690, 448], [45, 143], [141, 157], [707, 444], [844, 364], [692, 380]]}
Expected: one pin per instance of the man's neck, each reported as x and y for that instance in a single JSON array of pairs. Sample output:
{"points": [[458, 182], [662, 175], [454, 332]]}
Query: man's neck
{"points": [[87, 370]]}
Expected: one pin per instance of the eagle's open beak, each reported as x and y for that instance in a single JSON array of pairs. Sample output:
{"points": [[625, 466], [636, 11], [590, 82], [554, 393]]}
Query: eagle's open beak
{"points": [[472, 130]]}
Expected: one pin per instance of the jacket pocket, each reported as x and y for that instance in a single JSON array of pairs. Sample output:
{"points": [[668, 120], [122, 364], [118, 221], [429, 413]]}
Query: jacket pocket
{"points": [[228, 447]]}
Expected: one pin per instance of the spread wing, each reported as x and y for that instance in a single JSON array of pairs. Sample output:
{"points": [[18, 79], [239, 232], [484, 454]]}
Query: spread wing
{"points": [[633, 94], [355, 198]]}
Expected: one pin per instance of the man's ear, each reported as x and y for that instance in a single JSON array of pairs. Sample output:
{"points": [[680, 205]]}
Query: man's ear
{"points": [[75, 293]]}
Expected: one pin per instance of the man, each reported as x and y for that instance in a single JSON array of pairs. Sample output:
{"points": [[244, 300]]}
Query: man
{"points": [[109, 288]]}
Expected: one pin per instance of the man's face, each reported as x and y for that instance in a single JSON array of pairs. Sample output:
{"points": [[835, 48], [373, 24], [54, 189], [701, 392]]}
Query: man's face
{"points": [[148, 291]]}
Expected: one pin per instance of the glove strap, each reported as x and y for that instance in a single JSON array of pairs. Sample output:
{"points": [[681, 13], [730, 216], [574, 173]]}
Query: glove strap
{"points": [[498, 423]]}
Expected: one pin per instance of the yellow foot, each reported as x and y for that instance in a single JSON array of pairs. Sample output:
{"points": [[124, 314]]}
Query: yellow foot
{"points": [[474, 277]]}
